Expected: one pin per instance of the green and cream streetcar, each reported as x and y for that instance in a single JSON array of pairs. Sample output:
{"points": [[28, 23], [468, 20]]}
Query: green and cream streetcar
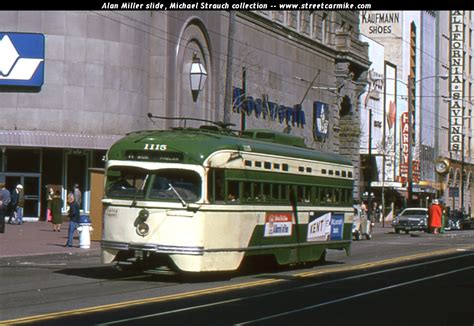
{"points": [[201, 200]]}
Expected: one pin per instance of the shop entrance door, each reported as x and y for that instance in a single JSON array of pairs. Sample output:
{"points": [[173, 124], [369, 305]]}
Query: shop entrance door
{"points": [[77, 167], [31, 191]]}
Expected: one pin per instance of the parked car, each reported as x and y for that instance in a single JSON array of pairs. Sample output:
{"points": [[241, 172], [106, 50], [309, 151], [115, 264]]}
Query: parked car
{"points": [[411, 219], [360, 226]]}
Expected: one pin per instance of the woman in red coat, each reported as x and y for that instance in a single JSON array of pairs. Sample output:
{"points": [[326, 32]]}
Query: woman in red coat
{"points": [[434, 216]]}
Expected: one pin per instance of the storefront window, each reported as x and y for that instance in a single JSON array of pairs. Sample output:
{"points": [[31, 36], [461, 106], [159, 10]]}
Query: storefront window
{"points": [[22, 160]]}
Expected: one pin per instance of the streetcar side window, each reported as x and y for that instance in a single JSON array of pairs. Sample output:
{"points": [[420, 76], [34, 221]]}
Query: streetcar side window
{"points": [[219, 184], [233, 191], [257, 191], [336, 197], [285, 192], [215, 182], [276, 188], [326, 196], [322, 195], [247, 191], [345, 196], [266, 191]]}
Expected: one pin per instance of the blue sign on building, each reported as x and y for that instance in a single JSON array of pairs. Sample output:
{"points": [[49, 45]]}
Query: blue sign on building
{"points": [[320, 120], [21, 59]]}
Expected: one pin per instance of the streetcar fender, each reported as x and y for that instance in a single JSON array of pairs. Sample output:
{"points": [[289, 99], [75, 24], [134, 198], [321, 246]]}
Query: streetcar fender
{"points": [[108, 255]]}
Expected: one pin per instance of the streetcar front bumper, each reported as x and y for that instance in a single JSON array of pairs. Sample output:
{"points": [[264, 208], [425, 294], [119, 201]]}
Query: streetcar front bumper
{"points": [[158, 248]]}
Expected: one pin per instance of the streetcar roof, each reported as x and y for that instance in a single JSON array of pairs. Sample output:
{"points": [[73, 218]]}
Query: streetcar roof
{"points": [[193, 146]]}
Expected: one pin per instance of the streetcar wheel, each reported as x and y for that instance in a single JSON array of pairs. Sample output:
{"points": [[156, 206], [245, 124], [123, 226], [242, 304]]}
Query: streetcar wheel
{"points": [[407, 231], [397, 231]]}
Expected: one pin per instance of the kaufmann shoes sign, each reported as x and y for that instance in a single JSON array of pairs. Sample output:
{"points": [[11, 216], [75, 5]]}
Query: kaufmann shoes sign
{"points": [[21, 59]]}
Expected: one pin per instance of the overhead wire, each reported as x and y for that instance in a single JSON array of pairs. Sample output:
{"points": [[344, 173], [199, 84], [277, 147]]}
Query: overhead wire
{"points": [[222, 56], [246, 23]]}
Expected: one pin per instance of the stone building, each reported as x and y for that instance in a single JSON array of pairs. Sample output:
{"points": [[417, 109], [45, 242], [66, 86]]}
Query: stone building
{"points": [[104, 71]]}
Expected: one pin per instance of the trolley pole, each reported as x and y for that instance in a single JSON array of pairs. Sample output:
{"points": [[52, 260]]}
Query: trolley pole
{"points": [[228, 77]]}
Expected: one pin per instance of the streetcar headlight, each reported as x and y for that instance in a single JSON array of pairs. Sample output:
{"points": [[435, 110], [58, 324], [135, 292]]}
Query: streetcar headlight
{"points": [[143, 229], [143, 215]]}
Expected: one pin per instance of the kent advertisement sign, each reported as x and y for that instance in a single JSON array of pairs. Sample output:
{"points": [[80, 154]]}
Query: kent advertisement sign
{"points": [[22, 59], [325, 226]]}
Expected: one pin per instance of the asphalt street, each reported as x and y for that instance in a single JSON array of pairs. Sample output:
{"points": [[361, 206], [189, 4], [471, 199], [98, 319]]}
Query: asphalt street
{"points": [[390, 273]]}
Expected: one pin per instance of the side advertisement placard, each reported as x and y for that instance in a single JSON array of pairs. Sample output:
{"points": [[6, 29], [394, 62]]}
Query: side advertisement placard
{"points": [[278, 224], [325, 226]]}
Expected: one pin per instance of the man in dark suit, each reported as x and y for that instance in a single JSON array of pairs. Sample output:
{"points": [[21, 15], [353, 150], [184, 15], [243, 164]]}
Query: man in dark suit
{"points": [[4, 201]]}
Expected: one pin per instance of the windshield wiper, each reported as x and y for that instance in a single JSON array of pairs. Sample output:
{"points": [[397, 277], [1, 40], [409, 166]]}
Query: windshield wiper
{"points": [[134, 201], [177, 194]]}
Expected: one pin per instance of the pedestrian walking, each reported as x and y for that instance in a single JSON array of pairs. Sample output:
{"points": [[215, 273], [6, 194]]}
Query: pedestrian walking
{"points": [[434, 217], [49, 199], [74, 217], [16, 204], [56, 216], [4, 203], [77, 195]]}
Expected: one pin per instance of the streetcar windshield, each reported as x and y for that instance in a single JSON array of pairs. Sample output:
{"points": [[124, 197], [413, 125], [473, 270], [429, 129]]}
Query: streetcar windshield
{"points": [[165, 184], [126, 182], [168, 182]]}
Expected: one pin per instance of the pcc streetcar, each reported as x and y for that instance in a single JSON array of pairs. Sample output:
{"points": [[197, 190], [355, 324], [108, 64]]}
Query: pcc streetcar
{"points": [[203, 199]]}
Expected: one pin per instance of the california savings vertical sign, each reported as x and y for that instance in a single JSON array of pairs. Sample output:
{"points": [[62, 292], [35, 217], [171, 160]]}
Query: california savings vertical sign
{"points": [[456, 81], [21, 59]]}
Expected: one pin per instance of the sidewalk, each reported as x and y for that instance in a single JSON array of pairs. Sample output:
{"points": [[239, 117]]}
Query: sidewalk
{"points": [[38, 238]]}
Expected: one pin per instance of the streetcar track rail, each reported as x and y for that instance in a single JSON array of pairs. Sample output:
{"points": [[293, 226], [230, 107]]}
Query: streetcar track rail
{"points": [[270, 280], [307, 286]]}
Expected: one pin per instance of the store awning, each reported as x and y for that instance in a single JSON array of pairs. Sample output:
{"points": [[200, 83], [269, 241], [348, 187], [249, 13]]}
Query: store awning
{"points": [[430, 185], [386, 184], [56, 139]]}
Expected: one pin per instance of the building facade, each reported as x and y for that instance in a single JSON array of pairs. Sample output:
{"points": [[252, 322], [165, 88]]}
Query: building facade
{"points": [[428, 83], [455, 116], [298, 72]]}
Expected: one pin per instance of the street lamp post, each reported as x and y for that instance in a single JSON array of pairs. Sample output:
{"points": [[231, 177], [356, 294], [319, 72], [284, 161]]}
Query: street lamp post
{"points": [[462, 167], [462, 160], [411, 108], [369, 180]]}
